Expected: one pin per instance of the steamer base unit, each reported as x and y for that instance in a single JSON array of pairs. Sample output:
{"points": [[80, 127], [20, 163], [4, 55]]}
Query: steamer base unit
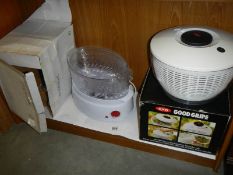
{"points": [[104, 110]]}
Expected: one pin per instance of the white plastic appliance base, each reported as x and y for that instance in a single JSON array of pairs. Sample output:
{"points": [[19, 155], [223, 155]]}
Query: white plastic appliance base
{"points": [[104, 110]]}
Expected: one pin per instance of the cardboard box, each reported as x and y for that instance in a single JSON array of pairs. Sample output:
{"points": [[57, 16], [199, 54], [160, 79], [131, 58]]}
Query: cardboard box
{"points": [[194, 127]]}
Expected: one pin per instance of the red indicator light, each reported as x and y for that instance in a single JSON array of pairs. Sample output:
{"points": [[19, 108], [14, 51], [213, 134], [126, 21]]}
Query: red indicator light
{"points": [[115, 113]]}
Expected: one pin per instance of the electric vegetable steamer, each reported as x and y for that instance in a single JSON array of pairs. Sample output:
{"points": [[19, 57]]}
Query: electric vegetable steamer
{"points": [[101, 85]]}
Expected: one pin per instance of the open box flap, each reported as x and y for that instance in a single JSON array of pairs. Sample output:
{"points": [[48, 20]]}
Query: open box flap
{"points": [[22, 96]]}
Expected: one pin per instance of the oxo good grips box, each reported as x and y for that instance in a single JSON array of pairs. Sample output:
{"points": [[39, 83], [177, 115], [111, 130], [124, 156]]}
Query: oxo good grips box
{"points": [[198, 128]]}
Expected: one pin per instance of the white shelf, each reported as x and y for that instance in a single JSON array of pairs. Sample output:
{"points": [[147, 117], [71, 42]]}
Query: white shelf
{"points": [[127, 128]]}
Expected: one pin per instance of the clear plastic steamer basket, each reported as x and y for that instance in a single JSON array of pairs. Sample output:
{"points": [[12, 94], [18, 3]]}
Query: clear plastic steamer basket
{"points": [[99, 72]]}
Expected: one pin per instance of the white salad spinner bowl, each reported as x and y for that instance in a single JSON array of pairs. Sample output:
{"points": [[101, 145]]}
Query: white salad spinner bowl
{"points": [[192, 64]]}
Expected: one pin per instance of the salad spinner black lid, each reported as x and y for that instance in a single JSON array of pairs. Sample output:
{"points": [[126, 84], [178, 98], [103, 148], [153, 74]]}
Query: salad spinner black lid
{"points": [[196, 38]]}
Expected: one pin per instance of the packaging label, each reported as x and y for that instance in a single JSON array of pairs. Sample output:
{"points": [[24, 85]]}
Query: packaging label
{"points": [[182, 128]]}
